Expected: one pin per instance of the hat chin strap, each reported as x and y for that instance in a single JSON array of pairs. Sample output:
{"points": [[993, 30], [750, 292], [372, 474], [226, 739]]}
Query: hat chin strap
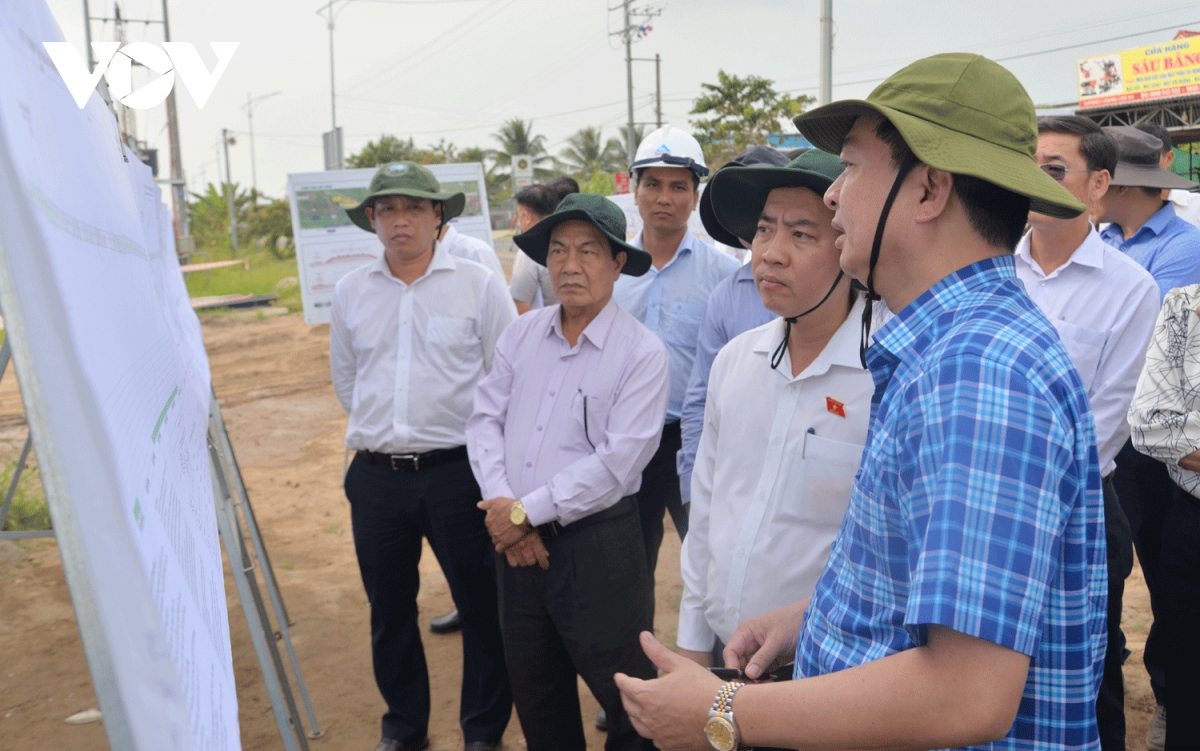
{"points": [[910, 161], [777, 356]]}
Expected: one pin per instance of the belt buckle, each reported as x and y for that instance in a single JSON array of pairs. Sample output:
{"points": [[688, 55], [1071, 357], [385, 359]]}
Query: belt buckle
{"points": [[416, 461]]}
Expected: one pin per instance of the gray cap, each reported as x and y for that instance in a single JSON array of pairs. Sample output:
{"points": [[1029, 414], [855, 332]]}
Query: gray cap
{"points": [[1137, 161]]}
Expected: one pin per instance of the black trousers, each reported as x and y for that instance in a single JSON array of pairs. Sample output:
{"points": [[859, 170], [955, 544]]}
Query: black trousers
{"points": [[660, 490], [1146, 490], [581, 617], [391, 511], [1110, 703], [1179, 581]]}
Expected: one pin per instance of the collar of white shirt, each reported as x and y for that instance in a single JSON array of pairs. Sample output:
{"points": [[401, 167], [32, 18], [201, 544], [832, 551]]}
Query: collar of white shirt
{"points": [[685, 247], [595, 332], [1089, 253], [442, 261], [841, 349]]}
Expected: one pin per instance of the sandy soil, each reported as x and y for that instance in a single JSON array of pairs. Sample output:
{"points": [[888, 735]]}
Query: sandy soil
{"points": [[272, 379]]}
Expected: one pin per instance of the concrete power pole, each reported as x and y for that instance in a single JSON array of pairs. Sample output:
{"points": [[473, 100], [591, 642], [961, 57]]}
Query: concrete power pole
{"points": [[631, 147], [225, 139], [826, 52], [183, 224], [658, 88]]}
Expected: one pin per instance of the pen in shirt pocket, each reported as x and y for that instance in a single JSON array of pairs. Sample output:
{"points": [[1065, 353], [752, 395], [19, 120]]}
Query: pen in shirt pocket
{"points": [[585, 419]]}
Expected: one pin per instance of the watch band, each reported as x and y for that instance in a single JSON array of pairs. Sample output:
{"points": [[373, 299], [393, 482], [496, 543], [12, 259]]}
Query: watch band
{"points": [[723, 703], [721, 730]]}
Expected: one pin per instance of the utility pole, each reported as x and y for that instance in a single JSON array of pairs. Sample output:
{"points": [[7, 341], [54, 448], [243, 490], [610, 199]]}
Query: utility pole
{"points": [[87, 34], [826, 95], [332, 97], [183, 224], [226, 140], [250, 104], [630, 146], [658, 88]]}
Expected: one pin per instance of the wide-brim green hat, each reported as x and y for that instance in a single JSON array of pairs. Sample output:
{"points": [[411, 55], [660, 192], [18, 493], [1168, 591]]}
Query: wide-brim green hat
{"points": [[739, 193], [960, 113], [597, 211], [406, 179]]}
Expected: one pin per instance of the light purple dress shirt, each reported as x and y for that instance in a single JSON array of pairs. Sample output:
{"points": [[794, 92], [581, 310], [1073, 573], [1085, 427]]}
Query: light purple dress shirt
{"points": [[526, 437]]}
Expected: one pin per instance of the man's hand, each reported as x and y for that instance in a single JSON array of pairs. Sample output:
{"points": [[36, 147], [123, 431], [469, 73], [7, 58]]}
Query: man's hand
{"points": [[504, 533], [527, 551], [671, 710], [766, 642], [1191, 462]]}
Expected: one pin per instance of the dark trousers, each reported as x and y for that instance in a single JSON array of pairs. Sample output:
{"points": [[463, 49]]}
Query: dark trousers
{"points": [[1179, 581], [1110, 703], [659, 491], [582, 617], [1146, 490], [391, 511]]}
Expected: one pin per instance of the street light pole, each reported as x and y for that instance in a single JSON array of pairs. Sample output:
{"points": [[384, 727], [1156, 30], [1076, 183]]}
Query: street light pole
{"points": [[332, 97], [826, 95], [225, 140], [250, 104], [630, 146], [658, 88]]}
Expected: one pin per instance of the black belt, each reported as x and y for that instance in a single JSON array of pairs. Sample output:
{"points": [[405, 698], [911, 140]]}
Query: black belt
{"points": [[416, 462], [620, 508]]}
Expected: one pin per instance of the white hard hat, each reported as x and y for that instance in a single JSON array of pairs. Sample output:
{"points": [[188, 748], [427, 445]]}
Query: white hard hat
{"points": [[670, 147]]}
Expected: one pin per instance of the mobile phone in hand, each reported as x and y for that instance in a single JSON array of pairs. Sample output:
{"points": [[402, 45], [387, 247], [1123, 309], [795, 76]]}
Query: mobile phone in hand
{"points": [[783, 673]]}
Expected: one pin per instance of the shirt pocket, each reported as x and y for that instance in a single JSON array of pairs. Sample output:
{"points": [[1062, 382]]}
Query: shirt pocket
{"points": [[1084, 346], [684, 327], [452, 342], [829, 469], [590, 412]]}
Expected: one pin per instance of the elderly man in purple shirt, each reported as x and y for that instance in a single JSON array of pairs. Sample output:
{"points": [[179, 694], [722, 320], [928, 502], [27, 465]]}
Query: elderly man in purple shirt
{"points": [[565, 422]]}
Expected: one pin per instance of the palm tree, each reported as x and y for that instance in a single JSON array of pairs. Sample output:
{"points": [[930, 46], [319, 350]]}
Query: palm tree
{"points": [[588, 153], [516, 137]]}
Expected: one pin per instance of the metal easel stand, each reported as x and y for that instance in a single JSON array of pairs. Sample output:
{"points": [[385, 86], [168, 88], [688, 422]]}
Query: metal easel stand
{"points": [[5, 357], [222, 451]]}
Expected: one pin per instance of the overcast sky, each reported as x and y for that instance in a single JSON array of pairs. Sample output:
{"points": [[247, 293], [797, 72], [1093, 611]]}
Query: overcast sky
{"points": [[457, 69]]}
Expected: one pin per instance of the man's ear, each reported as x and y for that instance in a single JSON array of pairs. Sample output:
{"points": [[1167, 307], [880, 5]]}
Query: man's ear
{"points": [[369, 211], [936, 187], [620, 260], [1100, 180]]}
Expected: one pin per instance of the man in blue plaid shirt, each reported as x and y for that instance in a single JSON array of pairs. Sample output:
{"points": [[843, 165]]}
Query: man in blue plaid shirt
{"points": [[964, 601]]}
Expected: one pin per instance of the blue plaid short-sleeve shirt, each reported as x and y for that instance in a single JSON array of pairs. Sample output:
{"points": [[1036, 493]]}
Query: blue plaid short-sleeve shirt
{"points": [[977, 505]]}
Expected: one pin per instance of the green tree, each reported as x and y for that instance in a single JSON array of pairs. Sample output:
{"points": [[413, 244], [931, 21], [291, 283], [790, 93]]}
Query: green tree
{"points": [[388, 148], [268, 222], [739, 113], [516, 137], [587, 153], [210, 215]]}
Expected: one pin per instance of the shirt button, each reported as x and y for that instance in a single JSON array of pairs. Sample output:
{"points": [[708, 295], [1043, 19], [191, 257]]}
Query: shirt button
{"points": [[732, 611], [1043, 282], [551, 393], [528, 465], [539, 428], [762, 496], [742, 553], [778, 441]]}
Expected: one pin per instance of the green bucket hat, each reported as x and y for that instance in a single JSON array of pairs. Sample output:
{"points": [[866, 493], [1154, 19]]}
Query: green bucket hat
{"points": [[406, 179], [960, 113], [597, 211], [739, 193]]}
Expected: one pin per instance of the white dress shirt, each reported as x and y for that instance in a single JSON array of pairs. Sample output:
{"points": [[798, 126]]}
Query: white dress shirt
{"points": [[527, 437], [1104, 305], [405, 358], [473, 249], [1165, 414], [772, 479], [1187, 205]]}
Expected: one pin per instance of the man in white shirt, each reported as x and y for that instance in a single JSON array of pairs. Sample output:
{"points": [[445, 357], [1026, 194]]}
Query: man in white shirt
{"points": [[1104, 305], [786, 414], [472, 249], [412, 333]]}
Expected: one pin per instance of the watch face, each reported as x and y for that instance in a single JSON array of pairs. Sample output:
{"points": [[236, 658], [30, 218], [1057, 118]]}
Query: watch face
{"points": [[720, 734], [517, 515]]}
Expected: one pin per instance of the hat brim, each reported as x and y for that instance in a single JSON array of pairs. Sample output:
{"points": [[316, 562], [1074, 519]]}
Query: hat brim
{"points": [[740, 193], [1130, 175], [452, 205], [711, 224], [536, 242], [948, 150]]}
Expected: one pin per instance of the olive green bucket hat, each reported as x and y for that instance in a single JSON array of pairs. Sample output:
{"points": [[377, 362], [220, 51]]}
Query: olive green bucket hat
{"points": [[739, 193], [960, 113], [406, 179], [597, 211]]}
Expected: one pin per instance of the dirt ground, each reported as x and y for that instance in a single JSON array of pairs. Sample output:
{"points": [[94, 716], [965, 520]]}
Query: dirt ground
{"points": [[271, 375]]}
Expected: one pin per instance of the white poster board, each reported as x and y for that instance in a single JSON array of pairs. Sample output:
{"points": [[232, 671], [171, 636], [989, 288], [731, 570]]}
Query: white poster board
{"points": [[329, 245], [116, 389]]}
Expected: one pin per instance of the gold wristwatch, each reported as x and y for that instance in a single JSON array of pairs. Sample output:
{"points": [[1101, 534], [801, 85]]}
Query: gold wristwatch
{"points": [[720, 729], [517, 515]]}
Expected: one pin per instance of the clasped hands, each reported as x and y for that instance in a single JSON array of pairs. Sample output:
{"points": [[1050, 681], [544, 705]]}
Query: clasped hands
{"points": [[520, 544]]}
